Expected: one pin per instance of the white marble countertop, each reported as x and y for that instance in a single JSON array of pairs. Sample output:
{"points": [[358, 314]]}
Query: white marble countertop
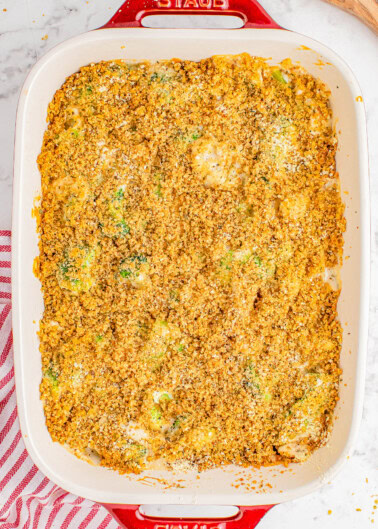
{"points": [[348, 501]]}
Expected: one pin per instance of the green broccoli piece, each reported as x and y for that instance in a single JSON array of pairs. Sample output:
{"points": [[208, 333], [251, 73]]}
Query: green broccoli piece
{"points": [[53, 377], [125, 229], [278, 76]]}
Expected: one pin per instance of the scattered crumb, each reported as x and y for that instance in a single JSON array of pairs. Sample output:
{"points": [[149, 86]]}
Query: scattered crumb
{"points": [[329, 512], [45, 37], [358, 510], [359, 99], [123, 47], [4, 9]]}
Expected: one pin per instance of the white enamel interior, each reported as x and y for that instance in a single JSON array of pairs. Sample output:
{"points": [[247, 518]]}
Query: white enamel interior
{"points": [[213, 487]]}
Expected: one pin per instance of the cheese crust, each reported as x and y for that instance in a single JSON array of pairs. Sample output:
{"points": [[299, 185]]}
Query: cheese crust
{"points": [[190, 221]]}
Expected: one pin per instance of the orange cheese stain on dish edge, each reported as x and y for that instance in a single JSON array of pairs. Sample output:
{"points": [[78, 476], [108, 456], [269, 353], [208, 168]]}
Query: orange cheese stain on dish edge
{"points": [[319, 63], [151, 481], [35, 212]]}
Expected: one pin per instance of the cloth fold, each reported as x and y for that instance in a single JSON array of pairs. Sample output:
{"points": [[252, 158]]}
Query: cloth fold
{"points": [[28, 499]]}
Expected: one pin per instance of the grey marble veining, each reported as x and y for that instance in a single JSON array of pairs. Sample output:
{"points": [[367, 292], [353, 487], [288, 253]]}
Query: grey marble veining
{"points": [[23, 27]]}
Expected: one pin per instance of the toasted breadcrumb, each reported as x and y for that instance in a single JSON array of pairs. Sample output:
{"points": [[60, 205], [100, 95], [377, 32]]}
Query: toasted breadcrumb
{"points": [[190, 236]]}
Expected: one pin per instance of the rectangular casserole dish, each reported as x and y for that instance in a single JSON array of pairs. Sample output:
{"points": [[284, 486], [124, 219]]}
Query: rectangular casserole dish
{"points": [[123, 37]]}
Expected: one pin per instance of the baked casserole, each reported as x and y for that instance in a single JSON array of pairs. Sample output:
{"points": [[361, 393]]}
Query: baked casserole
{"points": [[191, 232]]}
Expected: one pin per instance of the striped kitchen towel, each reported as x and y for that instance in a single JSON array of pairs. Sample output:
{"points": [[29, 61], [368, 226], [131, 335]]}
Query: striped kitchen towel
{"points": [[28, 499]]}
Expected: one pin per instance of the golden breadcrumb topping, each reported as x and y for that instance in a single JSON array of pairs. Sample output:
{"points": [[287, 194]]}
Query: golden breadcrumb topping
{"points": [[190, 236]]}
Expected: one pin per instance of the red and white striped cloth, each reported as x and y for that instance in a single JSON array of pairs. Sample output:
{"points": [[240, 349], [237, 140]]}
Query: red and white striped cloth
{"points": [[28, 499]]}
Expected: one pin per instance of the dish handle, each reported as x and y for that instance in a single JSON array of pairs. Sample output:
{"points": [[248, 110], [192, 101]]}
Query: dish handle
{"points": [[131, 13], [130, 517]]}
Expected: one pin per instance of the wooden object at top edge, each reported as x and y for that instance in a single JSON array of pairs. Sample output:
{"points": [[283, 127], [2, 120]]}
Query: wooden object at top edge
{"points": [[365, 10]]}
